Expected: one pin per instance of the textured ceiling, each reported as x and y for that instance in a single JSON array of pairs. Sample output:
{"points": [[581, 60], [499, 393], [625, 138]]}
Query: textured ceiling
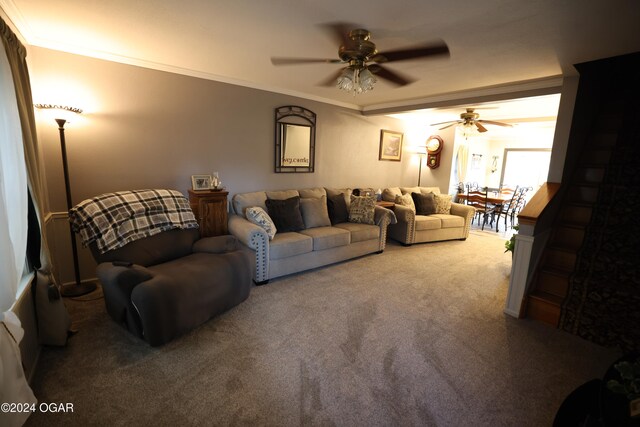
{"points": [[493, 43]]}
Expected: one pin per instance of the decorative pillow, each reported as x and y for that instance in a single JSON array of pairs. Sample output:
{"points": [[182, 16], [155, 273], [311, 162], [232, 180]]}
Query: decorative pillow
{"points": [[286, 214], [443, 203], [425, 203], [314, 212], [362, 209], [405, 200], [337, 208], [346, 193], [258, 216]]}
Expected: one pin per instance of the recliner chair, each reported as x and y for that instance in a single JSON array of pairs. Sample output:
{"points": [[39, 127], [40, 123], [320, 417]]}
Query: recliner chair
{"points": [[164, 285]]}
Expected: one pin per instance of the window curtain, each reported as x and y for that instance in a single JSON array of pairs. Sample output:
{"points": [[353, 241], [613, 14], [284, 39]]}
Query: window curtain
{"points": [[13, 239], [462, 161], [13, 188]]}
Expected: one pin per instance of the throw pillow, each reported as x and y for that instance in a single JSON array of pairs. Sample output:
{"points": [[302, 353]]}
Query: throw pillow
{"points": [[314, 212], [362, 209], [443, 203], [425, 203], [286, 214], [405, 200], [258, 216], [337, 208]]}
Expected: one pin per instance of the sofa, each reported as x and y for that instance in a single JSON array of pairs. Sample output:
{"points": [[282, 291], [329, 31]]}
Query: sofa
{"points": [[449, 221], [327, 234]]}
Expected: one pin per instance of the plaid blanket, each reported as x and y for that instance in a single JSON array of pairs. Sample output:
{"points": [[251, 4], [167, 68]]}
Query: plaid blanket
{"points": [[114, 219]]}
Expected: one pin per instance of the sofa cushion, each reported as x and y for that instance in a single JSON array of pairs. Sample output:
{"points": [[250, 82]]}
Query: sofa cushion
{"points": [[421, 190], [443, 203], [286, 214], [258, 216], [360, 232], [285, 245], [428, 222], [312, 192], [345, 192], [337, 209], [362, 209], [425, 203], [282, 195], [328, 237], [243, 201], [389, 194], [427, 190], [314, 212], [405, 200], [450, 221]]}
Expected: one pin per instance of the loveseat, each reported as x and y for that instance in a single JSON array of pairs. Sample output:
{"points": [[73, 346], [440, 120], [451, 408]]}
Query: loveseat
{"points": [[449, 221], [332, 229]]}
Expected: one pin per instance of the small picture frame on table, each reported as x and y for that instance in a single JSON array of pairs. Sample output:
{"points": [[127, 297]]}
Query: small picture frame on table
{"points": [[390, 145], [200, 182]]}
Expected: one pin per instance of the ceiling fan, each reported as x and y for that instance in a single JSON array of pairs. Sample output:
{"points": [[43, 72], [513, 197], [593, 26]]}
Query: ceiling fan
{"points": [[362, 59], [468, 120]]}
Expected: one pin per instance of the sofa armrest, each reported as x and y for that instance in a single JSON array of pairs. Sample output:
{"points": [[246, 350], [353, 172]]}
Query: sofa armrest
{"points": [[118, 283], [462, 210], [216, 244], [405, 214], [384, 214], [247, 232], [467, 212], [255, 238]]}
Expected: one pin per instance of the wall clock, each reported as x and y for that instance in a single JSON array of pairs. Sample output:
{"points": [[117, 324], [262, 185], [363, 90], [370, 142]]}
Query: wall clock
{"points": [[434, 147]]}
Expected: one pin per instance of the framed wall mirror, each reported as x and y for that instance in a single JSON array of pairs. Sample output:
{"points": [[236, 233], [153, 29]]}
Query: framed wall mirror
{"points": [[295, 139]]}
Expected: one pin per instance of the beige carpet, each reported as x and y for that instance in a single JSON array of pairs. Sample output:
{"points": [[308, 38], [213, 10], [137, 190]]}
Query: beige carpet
{"points": [[413, 336]]}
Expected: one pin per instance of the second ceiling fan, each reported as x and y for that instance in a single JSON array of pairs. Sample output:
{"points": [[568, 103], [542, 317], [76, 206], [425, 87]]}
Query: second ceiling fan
{"points": [[469, 119]]}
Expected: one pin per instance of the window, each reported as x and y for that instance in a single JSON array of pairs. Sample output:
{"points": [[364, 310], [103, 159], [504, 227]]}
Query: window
{"points": [[526, 167]]}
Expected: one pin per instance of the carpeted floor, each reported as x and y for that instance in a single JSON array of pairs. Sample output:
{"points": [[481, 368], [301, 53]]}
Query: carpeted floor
{"points": [[413, 336]]}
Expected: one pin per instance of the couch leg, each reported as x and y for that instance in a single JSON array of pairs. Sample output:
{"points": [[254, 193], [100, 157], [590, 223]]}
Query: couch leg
{"points": [[407, 244], [379, 252], [264, 282], [463, 239]]}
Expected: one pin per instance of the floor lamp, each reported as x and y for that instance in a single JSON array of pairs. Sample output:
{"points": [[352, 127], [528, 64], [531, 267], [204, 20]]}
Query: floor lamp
{"points": [[421, 151], [78, 288]]}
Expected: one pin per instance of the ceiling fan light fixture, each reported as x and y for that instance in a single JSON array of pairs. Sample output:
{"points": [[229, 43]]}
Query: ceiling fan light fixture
{"points": [[468, 130], [356, 79]]}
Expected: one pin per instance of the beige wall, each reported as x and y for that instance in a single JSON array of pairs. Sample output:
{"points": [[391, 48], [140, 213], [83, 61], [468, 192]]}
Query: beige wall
{"points": [[151, 129]]}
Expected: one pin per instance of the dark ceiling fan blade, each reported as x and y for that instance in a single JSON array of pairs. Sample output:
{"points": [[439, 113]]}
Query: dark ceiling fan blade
{"points": [[448, 126], [297, 61], [489, 122], [392, 76], [432, 49], [332, 80], [339, 31], [480, 127]]}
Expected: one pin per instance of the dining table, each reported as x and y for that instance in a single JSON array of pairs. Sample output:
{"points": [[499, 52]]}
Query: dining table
{"points": [[492, 197]]}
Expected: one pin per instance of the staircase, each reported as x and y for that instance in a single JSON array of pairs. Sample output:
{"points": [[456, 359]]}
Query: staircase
{"points": [[558, 262]]}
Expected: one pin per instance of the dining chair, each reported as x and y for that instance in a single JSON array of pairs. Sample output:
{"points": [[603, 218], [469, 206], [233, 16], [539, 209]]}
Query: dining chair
{"points": [[507, 208], [478, 199]]}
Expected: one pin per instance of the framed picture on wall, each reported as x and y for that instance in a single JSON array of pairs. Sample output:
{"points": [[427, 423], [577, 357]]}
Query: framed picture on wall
{"points": [[390, 145], [200, 182]]}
